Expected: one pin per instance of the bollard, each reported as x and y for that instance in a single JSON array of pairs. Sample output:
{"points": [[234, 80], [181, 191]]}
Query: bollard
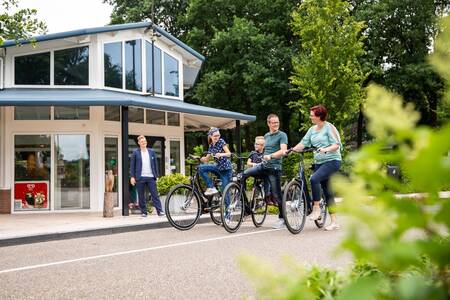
{"points": [[108, 205]]}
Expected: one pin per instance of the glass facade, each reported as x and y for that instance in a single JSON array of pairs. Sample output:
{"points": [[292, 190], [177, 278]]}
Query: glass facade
{"points": [[71, 112], [72, 66], [175, 157], [112, 113], [32, 169], [32, 69], [173, 119], [72, 155], [155, 117], [112, 167], [171, 82], [157, 70], [32, 113], [133, 65], [135, 115], [113, 65]]}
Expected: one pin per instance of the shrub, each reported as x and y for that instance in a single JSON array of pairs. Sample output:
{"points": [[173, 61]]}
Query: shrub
{"points": [[165, 183]]}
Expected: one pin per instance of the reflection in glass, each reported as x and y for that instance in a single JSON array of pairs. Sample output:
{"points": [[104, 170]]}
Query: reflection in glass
{"points": [[71, 112], [72, 66], [173, 119], [113, 65], [133, 65], [135, 115], [174, 157], [32, 69], [158, 70], [32, 113], [72, 189], [32, 172], [111, 167], [112, 113], [155, 117], [171, 83]]}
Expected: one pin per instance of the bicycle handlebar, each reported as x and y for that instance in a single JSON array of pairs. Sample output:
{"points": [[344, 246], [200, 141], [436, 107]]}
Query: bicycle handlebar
{"points": [[305, 150]]}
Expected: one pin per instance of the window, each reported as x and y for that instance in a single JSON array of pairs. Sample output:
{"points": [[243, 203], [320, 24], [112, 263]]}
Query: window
{"points": [[32, 113], [133, 65], [72, 66], [157, 70], [175, 157], [112, 113], [111, 167], [32, 69], [173, 119], [71, 112], [113, 65], [155, 117], [135, 115], [171, 84]]}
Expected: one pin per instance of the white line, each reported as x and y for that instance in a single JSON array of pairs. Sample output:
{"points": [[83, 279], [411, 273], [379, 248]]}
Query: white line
{"points": [[62, 262]]}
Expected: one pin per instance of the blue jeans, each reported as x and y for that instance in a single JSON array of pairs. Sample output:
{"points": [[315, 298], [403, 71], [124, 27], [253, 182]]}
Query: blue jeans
{"points": [[274, 177], [150, 182], [321, 178], [225, 175], [258, 173]]}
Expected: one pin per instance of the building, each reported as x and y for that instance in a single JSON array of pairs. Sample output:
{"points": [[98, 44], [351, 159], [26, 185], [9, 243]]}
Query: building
{"points": [[72, 105]]}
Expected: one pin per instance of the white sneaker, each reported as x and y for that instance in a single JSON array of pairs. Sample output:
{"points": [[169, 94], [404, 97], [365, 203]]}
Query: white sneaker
{"points": [[315, 215], [211, 191], [279, 224], [332, 226]]}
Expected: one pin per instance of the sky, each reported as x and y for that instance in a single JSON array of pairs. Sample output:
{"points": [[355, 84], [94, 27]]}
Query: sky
{"points": [[65, 15]]}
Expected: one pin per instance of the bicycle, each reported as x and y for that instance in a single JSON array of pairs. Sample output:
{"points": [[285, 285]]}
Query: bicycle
{"points": [[234, 203], [186, 202], [297, 202]]}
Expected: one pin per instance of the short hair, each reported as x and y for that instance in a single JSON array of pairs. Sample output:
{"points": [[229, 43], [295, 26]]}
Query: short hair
{"points": [[260, 138], [141, 137], [319, 111], [270, 116]]}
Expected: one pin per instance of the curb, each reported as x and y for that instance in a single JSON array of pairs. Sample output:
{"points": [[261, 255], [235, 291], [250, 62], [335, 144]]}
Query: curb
{"points": [[57, 236]]}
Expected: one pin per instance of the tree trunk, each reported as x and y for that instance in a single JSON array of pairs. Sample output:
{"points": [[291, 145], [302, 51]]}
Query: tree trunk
{"points": [[359, 130]]}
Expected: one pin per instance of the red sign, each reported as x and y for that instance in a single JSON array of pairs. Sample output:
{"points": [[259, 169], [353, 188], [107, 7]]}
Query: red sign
{"points": [[32, 194]]}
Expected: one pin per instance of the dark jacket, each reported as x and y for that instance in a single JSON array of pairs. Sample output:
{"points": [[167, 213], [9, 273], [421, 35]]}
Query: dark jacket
{"points": [[136, 163]]}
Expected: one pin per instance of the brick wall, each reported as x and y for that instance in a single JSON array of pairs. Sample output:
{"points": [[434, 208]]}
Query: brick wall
{"points": [[5, 201]]}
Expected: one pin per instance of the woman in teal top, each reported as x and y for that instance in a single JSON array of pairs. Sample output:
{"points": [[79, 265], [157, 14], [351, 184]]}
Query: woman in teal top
{"points": [[327, 160]]}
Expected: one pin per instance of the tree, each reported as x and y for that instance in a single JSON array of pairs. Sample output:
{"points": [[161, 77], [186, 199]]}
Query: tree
{"points": [[20, 24], [326, 66]]}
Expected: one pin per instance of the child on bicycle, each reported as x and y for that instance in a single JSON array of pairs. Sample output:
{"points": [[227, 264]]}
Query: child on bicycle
{"points": [[218, 149]]}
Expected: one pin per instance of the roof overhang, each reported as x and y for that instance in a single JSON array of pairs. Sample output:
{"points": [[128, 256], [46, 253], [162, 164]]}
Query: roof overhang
{"points": [[197, 117]]}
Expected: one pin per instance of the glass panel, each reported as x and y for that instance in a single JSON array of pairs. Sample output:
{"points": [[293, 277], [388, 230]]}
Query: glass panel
{"points": [[155, 117], [32, 113], [173, 119], [71, 112], [158, 70], [112, 113], [72, 189], [135, 115], [111, 167], [171, 84], [72, 66], [113, 65], [175, 157], [32, 172], [133, 65], [32, 69]]}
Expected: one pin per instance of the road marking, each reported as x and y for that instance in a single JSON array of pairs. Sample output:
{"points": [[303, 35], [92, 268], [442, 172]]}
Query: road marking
{"points": [[62, 262]]}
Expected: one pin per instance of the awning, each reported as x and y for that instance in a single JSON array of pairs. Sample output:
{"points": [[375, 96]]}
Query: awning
{"points": [[197, 117]]}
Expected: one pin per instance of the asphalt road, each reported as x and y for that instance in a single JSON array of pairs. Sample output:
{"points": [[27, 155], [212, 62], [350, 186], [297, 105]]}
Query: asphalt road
{"points": [[159, 263]]}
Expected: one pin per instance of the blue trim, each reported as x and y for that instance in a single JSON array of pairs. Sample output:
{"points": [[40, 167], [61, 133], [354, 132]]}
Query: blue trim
{"points": [[93, 97], [95, 30]]}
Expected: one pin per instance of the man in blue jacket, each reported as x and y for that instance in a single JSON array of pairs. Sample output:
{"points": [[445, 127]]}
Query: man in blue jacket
{"points": [[144, 172]]}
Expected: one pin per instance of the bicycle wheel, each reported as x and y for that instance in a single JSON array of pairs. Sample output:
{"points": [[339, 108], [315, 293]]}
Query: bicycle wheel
{"points": [[258, 206], [214, 209], [232, 207], [182, 207], [321, 221], [294, 207]]}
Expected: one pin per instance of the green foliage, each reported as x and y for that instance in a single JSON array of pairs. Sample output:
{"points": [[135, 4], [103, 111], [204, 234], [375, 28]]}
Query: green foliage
{"points": [[198, 150], [402, 244], [18, 23], [326, 66], [165, 183]]}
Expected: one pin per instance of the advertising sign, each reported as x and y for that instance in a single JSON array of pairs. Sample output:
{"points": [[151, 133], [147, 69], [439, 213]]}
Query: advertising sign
{"points": [[31, 194]]}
